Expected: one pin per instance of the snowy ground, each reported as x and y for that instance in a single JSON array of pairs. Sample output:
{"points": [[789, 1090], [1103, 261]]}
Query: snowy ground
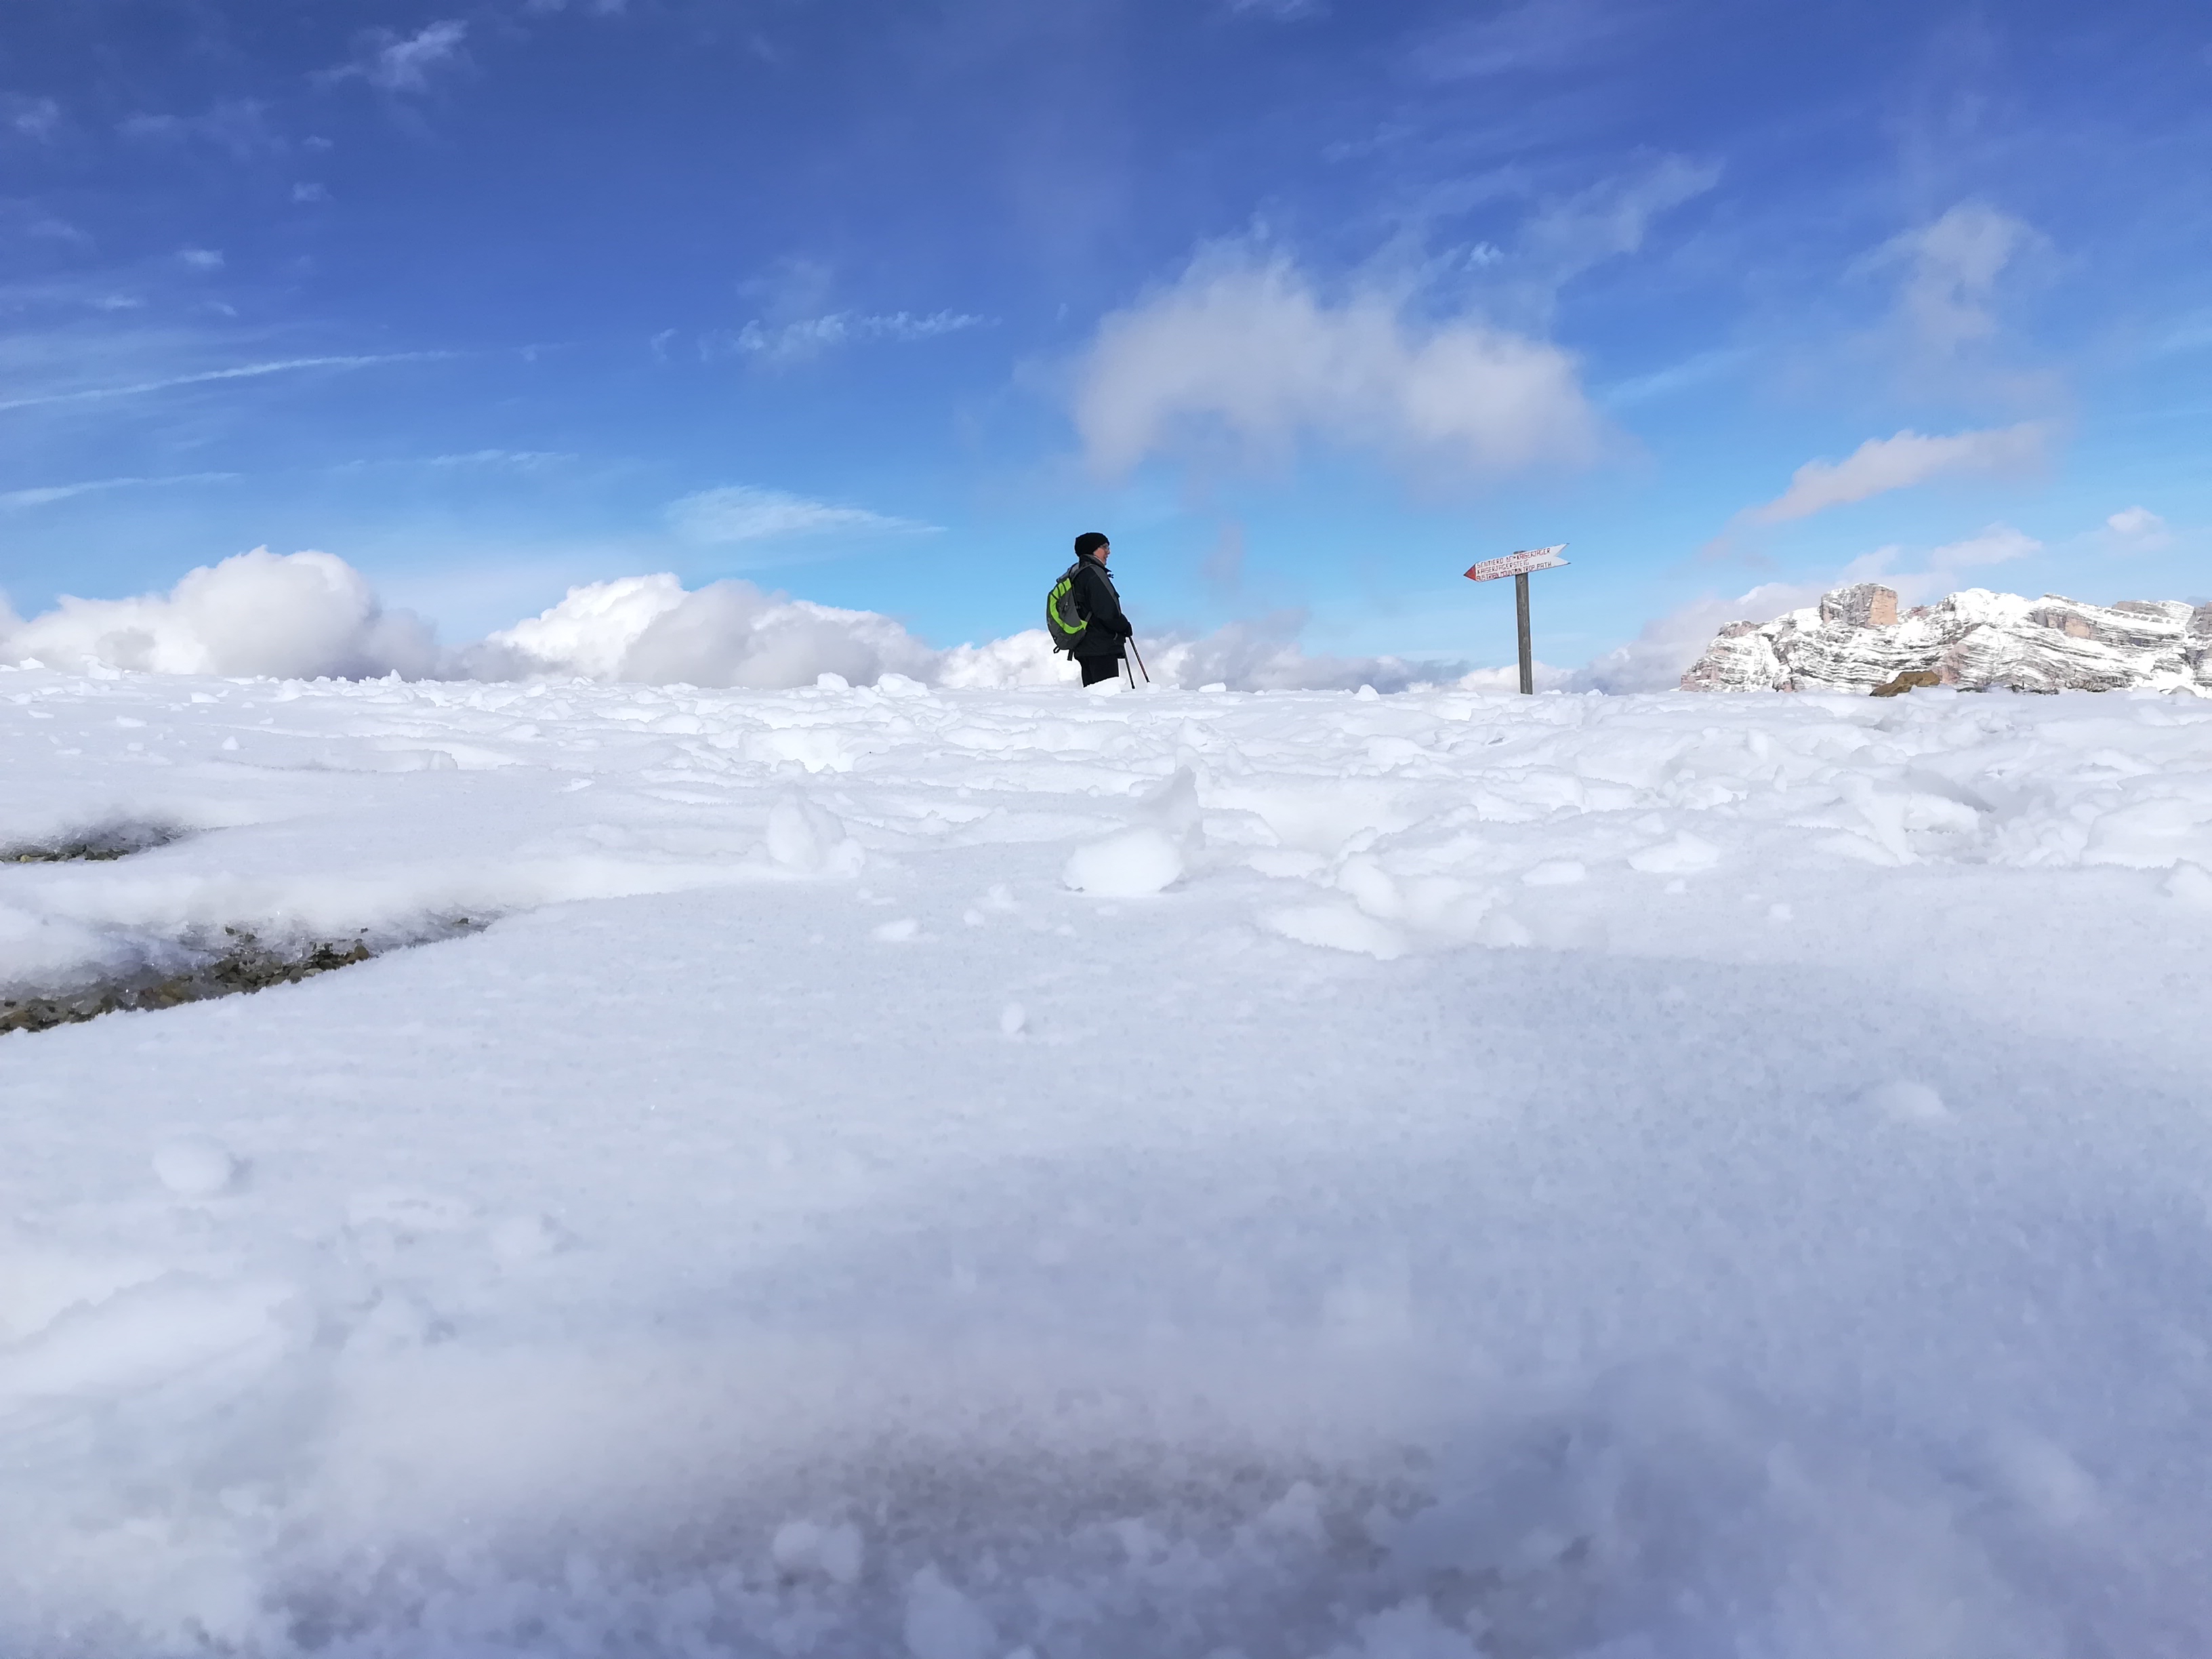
{"points": [[1623, 1177]]}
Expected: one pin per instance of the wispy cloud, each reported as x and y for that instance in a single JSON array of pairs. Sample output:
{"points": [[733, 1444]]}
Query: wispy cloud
{"points": [[2000, 543], [1567, 237], [45, 493], [747, 513], [524, 460], [405, 62], [242, 372], [513, 460], [1881, 464], [238, 125], [1705, 367], [1538, 36], [811, 336], [30, 118], [1947, 295]]}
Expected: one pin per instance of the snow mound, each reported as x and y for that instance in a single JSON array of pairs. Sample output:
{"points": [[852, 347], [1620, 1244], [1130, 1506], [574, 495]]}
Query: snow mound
{"points": [[1135, 864], [196, 1166]]}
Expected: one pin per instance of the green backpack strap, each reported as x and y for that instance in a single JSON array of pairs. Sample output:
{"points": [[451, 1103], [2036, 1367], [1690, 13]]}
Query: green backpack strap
{"points": [[1061, 619]]}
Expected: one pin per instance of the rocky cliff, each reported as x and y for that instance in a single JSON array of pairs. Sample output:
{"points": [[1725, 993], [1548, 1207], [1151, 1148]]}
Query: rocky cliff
{"points": [[1857, 638]]}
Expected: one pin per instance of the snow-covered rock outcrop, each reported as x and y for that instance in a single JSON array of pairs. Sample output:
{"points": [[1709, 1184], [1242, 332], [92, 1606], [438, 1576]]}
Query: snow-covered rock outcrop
{"points": [[1856, 639]]}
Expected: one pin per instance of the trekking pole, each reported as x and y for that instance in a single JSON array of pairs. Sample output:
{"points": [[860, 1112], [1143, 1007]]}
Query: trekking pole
{"points": [[1140, 656]]}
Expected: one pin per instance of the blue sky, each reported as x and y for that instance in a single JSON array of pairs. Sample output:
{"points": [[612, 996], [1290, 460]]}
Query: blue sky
{"points": [[1307, 305]]}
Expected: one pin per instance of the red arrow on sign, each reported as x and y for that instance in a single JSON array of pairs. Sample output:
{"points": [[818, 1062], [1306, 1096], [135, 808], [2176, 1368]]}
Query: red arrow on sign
{"points": [[1517, 564]]}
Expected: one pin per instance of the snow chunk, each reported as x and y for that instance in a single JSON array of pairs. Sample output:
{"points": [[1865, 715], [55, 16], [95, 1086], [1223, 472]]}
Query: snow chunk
{"points": [[803, 837], [1686, 854], [1134, 864], [1555, 872], [1339, 928], [196, 1166]]}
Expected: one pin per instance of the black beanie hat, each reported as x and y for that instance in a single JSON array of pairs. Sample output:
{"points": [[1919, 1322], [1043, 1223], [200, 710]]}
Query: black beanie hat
{"points": [[1089, 542]]}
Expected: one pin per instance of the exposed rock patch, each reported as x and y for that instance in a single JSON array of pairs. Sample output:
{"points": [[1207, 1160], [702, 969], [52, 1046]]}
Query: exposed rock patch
{"points": [[241, 962], [1856, 640], [112, 841]]}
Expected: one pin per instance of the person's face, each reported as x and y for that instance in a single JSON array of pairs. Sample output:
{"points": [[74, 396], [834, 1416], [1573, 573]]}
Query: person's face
{"points": [[1105, 552]]}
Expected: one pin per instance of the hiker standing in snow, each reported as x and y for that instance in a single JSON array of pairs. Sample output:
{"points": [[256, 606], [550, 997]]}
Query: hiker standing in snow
{"points": [[1096, 647]]}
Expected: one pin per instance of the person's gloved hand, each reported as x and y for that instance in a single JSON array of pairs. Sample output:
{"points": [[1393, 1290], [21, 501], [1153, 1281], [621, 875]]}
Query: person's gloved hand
{"points": [[1127, 632]]}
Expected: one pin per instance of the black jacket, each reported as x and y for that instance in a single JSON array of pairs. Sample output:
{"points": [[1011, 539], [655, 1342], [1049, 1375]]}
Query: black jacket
{"points": [[1098, 604]]}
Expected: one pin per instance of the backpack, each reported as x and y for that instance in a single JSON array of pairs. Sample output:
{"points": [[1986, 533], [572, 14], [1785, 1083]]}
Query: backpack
{"points": [[1061, 620]]}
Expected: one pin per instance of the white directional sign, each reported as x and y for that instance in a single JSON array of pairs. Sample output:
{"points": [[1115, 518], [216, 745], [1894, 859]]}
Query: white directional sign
{"points": [[1517, 564]]}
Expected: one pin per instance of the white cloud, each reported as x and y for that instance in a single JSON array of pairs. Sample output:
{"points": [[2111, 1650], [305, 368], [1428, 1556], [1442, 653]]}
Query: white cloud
{"points": [[294, 616], [42, 494], [811, 336], [58, 230], [1999, 545], [243, 372], [200, 258], [397, 62], [1951, 269], [2137, 530], [1243, 344], [1536, 37], [33, 118], [239, 126], [1567, 237], [746, 512], [1881, 464], [310, 192], [523, 460]]}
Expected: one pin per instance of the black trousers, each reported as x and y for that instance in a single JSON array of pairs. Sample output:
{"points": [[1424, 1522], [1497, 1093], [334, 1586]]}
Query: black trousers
{"points": [[1096, 669]]}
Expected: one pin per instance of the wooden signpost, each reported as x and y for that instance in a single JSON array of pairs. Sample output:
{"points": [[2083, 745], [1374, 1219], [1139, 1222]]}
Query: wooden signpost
{"points": [[1518, 566]]}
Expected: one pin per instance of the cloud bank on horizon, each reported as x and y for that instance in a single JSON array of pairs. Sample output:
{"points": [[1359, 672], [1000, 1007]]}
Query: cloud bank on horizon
{"points": [[312, 615]]}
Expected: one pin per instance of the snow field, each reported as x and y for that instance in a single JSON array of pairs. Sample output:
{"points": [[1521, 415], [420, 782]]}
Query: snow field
{"points": [[958, 1173]]}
